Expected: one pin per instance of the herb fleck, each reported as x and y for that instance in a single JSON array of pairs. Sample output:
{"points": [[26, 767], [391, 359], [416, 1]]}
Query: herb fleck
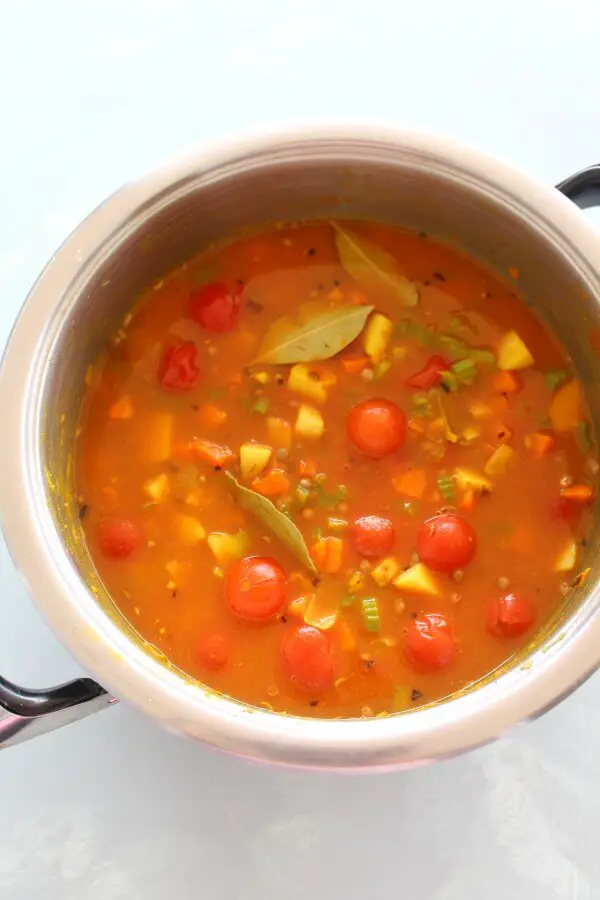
{"points": [[416, 694]]}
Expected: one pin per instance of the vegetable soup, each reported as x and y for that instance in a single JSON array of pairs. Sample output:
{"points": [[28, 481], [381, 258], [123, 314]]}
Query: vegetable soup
{"points": [[335, 469]]}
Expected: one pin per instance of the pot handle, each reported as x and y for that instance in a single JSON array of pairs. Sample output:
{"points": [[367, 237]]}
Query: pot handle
{"points": [[583, 188], [27, 713]]}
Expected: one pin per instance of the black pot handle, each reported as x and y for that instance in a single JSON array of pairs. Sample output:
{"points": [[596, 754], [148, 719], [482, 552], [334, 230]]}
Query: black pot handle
{"points": [[583, 188], [27, 713]]}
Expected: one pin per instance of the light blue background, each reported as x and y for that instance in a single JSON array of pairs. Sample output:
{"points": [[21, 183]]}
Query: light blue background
{"points": [[92, 93]]}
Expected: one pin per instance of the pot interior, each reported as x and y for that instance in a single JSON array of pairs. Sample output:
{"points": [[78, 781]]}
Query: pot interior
{"points": [[307, 180]]}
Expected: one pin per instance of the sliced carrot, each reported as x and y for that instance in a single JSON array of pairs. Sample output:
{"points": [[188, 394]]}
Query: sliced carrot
{"points": [[346, 635], [539, 443], [565, 408], [411, 483], [327, 554], [506, 383], [307, 467], [280, 432], [211, 416], [274, 484], [215, 454], [578, 493], [467, 501], [354, 364], [121, 408]]}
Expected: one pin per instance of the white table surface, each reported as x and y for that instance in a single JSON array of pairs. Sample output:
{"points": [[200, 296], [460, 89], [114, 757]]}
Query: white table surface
{"points": [[92, 93]]}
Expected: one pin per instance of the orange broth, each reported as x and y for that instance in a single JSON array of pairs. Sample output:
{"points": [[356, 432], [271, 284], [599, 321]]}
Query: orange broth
{"points": [[141, 459]]}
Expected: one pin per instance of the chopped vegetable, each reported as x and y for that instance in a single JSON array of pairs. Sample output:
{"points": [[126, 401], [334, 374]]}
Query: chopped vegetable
{"points": [[327, 554], [190, 530], [540, 444], [499, 460], [385, 571], [356, 582], [376, 336], [430, 375], [469, 479], [309, 423], [211, 416], [554, 378], [346, 635], [512, 353], [411, 483], [566, 407], [467, 501], [449, 381], [322, 610], [480, 410], [567, 558], [227, 547], [355, 364], [298, 606], [157, 488], [578, 493], [215, 454], [122, 408], [382, 369], [261, 406], [446, 487], [335, 524], [370, 613], [302, 495], [254, 458], [274, 484], [312, 382], [280, 432], [418, 580], [261, 377], [465, 371], [506, 383]]}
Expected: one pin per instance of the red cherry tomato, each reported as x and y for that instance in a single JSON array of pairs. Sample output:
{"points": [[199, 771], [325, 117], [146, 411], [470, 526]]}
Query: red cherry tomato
{"points": [[256, 588], [430, 643], [307, 658], [119, 538], [178, 370], [377, 427], [510, 615], [430, 375], [446, 543], [373, 535], [213, 650], [216, 307]]}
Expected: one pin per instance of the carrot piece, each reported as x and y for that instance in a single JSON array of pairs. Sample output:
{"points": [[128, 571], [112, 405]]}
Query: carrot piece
{"points": [[327, 554], [211, 416], [565, 407], [215, 454], [411, 483], [307, 467], [346, 636], [280, 432], [354, 364], [121, 408], [506, 383], [579, 493], [273, 484], [467, 501], [540, 444]]}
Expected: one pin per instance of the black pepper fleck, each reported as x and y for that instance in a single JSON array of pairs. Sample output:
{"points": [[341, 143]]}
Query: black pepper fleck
{"points": [[217, 468], [444, 387], [439, 276], [83, 510], [422, 234], [416, 694], [369, 663], [283, 619], [314, 703], [195, 407], [336, 282], [413, 615], [311, 251]]}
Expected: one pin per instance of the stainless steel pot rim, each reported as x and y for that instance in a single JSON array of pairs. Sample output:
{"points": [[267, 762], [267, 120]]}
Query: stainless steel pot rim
{"points": [[95, 640]]}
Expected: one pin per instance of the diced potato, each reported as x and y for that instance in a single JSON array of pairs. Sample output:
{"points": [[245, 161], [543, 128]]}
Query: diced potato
{"points": [[121, 408], [253, 459], [298, 606], [227, 547], [190, 530], [376, 336], [356, 582], [468, 479], [418, 580], [469, 434], [565, 562], [261, 377], [157, 437], [565, 408], [512, 353], [309, 423], [386, 571], [157, 489], [280, 432], [499, 460], [321, 611], [480, 410], [311, 382]]}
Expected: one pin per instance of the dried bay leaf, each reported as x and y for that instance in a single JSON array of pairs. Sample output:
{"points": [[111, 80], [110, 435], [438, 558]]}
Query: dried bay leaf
{"points": [[373, 268], [277, 523], [313, 333]]}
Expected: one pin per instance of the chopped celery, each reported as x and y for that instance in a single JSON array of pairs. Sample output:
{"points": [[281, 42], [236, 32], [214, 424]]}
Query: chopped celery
{"points": [[465, 371], [370, 613], [335, 524], [261, 406], [452, 346], [449, 380], [445, 485], [554, 378], [483, 357]]}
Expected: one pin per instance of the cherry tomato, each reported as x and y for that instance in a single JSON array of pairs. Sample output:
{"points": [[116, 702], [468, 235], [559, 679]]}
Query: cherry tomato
{"points": [[216, 307], [510, 615], [213, 650], [256, 588], [119, 538], [307, 658], [430, 375], [446, 543], [178, 370], [430, 643], [373, 535], [377, 427]]}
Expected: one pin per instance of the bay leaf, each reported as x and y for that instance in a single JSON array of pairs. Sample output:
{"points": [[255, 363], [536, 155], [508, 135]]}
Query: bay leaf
{"points": [[314, 332], [276, 521], [372, 267]]}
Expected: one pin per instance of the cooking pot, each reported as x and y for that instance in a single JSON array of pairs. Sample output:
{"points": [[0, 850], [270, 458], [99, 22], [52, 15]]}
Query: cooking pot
{"points": [[355, 171]]}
